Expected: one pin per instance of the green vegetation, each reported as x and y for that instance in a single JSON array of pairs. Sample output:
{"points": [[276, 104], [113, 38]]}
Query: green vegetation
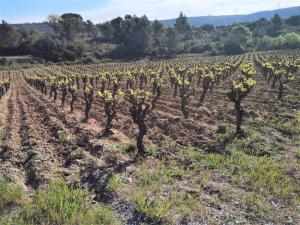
{"points": [[11, 195], [54, 204], [149, 191], [262, 175], [71, 39], [115, 182]]}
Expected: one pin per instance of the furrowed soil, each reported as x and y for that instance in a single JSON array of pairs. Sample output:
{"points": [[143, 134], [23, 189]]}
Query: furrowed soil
{"points": [[197, 172]]}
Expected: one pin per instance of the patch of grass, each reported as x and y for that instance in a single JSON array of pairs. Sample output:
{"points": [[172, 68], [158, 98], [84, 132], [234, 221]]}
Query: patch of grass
{"points": [[222, 128], [254, 144], [297, 155], [115, 182], [40, 158], [186, 204], [192, 157], [160, 175], [170, 145], [155, 207], [61, 205], [289, 127], [127, 148], [256, 205], [160, 206], [2, 135], [174, 172], [147, 178], [150, 197], [10, 195], [72, 157], [151, 150], [262, 175], [63, 137]]}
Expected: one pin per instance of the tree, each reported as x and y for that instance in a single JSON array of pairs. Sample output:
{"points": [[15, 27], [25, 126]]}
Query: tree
{"points": [[240, 34], [208, 27], [49, 48], [91, 29], [137, 35], [9, 37], [276, 21], [293, 21], [231, 47], [157, 27], [159, 38], [172, 41], [238, 39], [68, 25], [117, 25], [182, 24], [53, 21], [107, 31], [276, 25]]}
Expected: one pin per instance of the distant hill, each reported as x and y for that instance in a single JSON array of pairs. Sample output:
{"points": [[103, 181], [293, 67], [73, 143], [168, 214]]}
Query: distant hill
{"points": [[230, 19], [41, 27]]}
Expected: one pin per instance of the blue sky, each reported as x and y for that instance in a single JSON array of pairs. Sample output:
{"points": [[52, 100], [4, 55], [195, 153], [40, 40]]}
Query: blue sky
{"points": [[16, 11]]}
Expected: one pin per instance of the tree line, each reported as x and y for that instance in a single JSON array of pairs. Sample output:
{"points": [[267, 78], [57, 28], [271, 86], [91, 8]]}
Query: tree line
{"points": [[74, 39]]}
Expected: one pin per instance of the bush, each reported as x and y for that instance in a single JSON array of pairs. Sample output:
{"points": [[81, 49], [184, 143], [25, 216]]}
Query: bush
{"points": [[232, 48]]}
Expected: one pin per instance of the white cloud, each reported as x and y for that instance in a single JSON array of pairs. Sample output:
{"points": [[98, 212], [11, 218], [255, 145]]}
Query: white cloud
{"points": [[165, 9]]}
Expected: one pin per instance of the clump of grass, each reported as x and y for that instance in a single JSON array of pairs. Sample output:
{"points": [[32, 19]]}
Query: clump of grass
{"points": [[291, 127], [61, 205], [192, 157], [170, 145], [72, 157], [160, 208], [151, 150], [174, 172], [222, 128], [10, 195], [153, 206], [185, 204], [115, 182], [162, 175], [257, 205], [63, 137], [127, 148], [147, 178]]}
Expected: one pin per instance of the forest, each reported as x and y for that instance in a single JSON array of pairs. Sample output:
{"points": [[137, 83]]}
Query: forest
{"points": [[131, 37]]}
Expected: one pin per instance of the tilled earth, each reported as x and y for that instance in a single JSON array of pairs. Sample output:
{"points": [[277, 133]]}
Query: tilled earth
{"points": [[41, 141]]}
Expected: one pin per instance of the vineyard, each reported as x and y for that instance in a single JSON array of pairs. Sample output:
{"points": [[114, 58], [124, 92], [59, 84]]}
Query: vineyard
{"points": [[190, 140]]}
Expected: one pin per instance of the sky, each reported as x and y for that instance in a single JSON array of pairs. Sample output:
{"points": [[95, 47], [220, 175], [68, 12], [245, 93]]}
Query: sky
{"points": [[19, 11]]}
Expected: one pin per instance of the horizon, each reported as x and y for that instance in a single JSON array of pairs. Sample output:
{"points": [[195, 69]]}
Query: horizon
{"points": [[24, 11]]}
